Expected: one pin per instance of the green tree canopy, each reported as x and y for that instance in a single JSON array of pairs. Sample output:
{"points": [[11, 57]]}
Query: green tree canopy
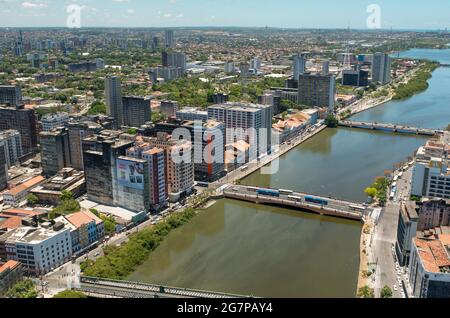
{"points": [[366, 292], [386, 292], [70, 294], [23, 289]]}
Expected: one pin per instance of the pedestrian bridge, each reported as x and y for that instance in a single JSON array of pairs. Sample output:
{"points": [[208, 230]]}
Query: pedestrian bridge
{"points": [[299, 201], [391, 128], [109, 288]]}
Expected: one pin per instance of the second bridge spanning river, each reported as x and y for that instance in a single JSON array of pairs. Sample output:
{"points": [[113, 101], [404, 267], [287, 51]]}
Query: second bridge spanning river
{"points": [[391, 128], [299, 201]]}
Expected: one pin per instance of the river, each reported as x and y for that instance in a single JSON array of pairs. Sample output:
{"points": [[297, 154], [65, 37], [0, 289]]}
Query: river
{"points": [[270, 252]]}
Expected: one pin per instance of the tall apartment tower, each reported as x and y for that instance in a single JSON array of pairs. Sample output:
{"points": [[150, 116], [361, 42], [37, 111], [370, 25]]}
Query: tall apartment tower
{"points": [[55, 151], [77, 132], [299, 65], [114, 104], [3, 167], [10, 95], [317, 90], [169, 108], [381, 68], [24, 121], [170, 39], [325, 67], [174, 59], [136, 111], [13, 146]]}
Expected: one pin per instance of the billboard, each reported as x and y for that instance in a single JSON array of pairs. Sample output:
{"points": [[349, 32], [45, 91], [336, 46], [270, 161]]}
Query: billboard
{"points": [[130, 174]]}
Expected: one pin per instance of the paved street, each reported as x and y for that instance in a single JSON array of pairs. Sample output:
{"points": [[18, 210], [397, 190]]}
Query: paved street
{"points": [[385, 238]]}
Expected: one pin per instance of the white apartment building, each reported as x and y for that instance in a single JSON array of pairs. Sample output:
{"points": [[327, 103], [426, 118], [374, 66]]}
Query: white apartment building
{"points": [[192, 114], [431, 175], [53, 121], [12, 142], [40, 249]]}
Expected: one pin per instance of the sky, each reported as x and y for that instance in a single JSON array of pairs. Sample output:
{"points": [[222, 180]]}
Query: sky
{"points": [[397, 14]]}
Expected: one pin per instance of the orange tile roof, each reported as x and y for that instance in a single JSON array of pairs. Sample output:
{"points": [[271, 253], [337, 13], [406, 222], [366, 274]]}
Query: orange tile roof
{"points": [[20, 212], [433, 254], [79, 219], [93, 217], [26, 185], [11, 222], [9, 265]]}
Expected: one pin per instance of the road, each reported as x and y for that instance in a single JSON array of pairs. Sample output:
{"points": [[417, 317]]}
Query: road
{"points": [[386, 237]]}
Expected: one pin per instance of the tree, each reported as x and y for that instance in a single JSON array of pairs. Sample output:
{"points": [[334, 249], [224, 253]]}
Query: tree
{"points": [[331, 121], [23, 289], [66, 195], [386, 292], [32, 199], [132, 131], [366, 292], [70, 294], [371, 192]]}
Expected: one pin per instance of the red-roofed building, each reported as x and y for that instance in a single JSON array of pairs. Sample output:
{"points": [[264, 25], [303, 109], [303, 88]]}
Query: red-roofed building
{"points": [[10, 273]]}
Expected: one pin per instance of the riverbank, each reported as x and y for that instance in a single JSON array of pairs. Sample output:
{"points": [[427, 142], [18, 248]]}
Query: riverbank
{"points": [[418, 83]]}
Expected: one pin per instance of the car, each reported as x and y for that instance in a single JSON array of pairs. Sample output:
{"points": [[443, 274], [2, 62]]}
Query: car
{"points": [[97, 254], [395, 288]]}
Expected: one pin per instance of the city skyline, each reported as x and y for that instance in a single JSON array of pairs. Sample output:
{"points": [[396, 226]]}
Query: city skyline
{"points": [[204, 13]]}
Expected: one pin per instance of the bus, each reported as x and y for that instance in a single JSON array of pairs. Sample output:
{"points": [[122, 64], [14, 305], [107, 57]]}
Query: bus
{"points": [[287, 192], [295, 198], [252, 189], [357, 208], [316, 200], [270, 193]]}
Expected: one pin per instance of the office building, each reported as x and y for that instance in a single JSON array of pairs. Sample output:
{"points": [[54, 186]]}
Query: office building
{"points": [[174, 59], [255, 64], [100, 165], [12, 142], [24, 121], [77, 132], [299, 67], [15, 196], [136, 111], [40, 249], [165, 73], [251, 123], [168, 108], [381, 68], [429, 270], [10, 95], [53, 121], [55, 151], [316, 90], [431, 174], [357, 78], [192, 114], [3, 168], [68, 179], [170, 39], [114, 103]]}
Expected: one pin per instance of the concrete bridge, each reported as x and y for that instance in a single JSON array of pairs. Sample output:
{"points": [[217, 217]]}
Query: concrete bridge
{"points": [[391, 128], [109, 288], [299, 201]]}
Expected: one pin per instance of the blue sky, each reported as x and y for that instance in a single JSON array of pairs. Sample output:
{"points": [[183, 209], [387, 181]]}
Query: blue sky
{"points": [[398, 14]]}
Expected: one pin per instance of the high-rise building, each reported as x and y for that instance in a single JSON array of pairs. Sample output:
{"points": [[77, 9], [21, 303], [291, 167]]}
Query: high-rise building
{"points": [[174, 59], [317, 90], [255, 64], [192, 114], [249, 122], [229, 67], [55, 151], [431, 174], [169, 108], [167, 73], [244, 68], [3, 167], [114, 103], [100, 165], [325, 68], [13, 146], [220, 98], [10, 95], [22, 120], [77, 132], [155, 42], [381, 68], [170, 39], [357, 78], [53, 121], [136, 111], [299, 65]]}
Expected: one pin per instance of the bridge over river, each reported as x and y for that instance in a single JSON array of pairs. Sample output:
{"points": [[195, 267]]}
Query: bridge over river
{"points": [[391, 128], [109, 288], [299, 201]]}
